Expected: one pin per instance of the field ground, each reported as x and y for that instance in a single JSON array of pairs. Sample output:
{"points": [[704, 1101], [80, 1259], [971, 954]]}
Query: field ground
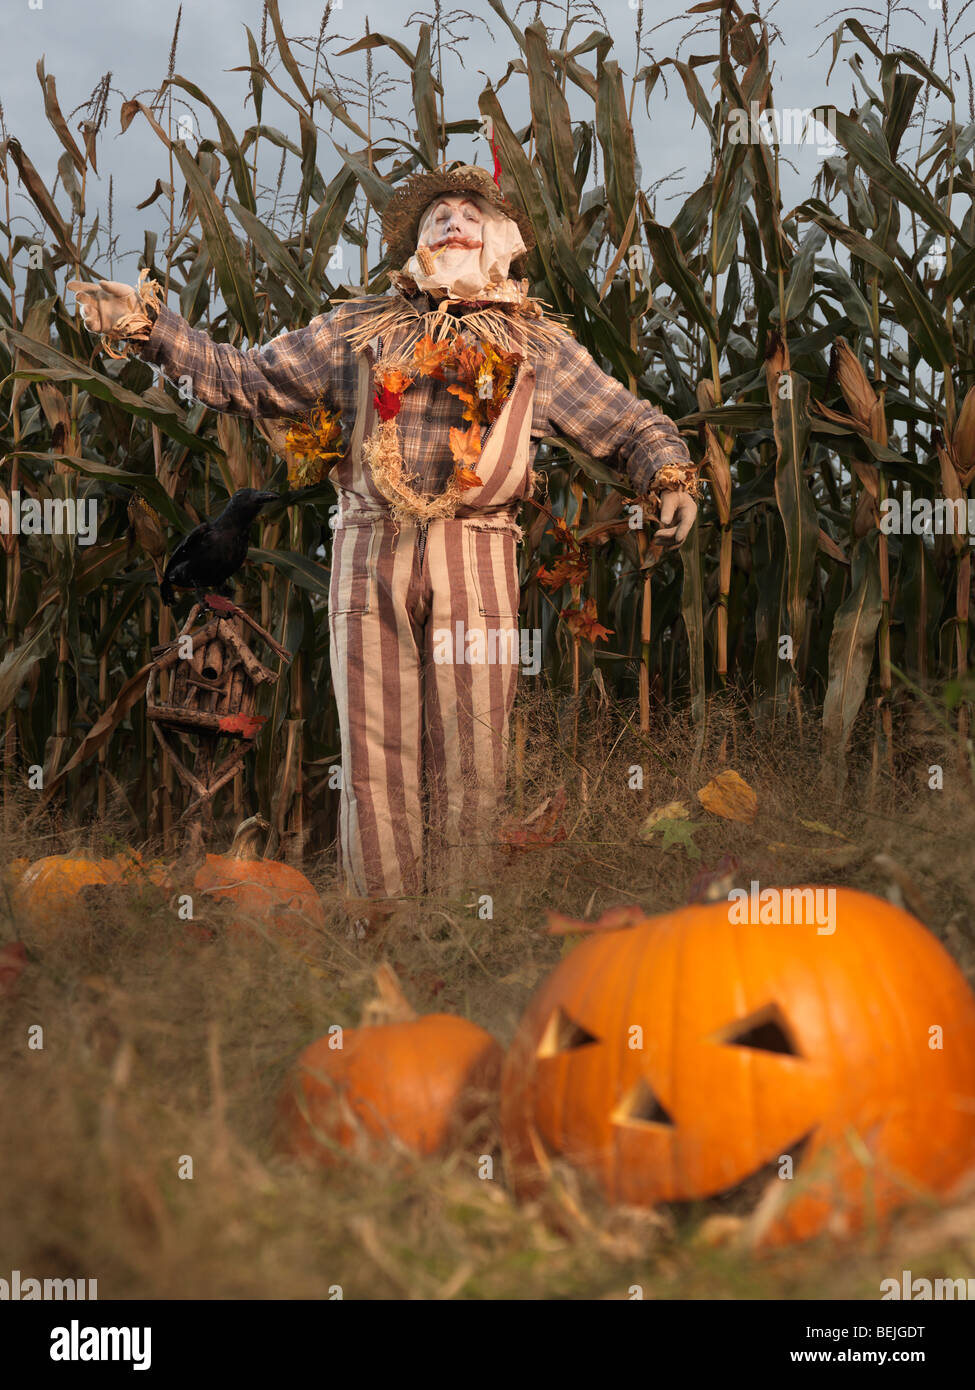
{"points": [[158, 1045]]}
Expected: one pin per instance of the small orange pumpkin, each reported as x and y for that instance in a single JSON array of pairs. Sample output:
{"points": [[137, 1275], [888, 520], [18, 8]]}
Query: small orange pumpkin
{"points": [[681, 1058], [49, 887], [426, 1084], [265, 890]]}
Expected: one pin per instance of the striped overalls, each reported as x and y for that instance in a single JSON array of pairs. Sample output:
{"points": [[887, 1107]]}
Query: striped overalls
{"points": [[423, 721]]}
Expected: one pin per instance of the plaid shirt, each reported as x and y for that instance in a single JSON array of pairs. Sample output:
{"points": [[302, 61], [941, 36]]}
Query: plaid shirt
{"points": [[295, 371]]}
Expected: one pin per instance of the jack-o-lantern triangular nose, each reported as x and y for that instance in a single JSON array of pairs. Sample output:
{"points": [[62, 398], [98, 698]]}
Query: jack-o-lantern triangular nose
{"points": [[641, 1106], [563, 1034]]}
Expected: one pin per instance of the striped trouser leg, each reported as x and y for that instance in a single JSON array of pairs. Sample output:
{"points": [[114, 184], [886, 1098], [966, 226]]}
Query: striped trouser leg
{"points": [[470, 654], [376, 677]]}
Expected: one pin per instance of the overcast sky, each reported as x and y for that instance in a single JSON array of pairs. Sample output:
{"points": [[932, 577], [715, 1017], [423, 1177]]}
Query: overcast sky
{"points": [[81, 40]]}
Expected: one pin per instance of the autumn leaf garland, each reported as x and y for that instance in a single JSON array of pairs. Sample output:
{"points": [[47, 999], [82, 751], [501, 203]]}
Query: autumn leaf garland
{"points": [[483, 378], [484, 375]]}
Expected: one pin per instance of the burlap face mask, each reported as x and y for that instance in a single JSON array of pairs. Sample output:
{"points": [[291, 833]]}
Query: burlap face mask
{"points": [[476, 268]]}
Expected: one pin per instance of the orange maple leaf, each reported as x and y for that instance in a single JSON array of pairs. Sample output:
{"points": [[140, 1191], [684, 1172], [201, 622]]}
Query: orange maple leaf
{"points": [[395, 382], [430, 357], [465, 478], [464, 392], [582, 622], [566, 569], [465, 445]]}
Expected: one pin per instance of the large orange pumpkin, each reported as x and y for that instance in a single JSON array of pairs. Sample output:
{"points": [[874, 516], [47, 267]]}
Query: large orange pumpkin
{"points": [[425, 1083], [678, 1059]]}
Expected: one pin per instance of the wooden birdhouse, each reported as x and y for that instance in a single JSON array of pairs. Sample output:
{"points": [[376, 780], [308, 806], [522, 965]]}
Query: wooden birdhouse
{"points": [[214, 678]]}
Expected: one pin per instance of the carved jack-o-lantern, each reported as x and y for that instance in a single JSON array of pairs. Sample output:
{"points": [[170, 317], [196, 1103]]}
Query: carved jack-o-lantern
{"points": [[678, 1059]]}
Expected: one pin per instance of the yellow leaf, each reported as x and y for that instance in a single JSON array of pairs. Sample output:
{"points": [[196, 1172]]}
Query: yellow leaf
{"points": [[674, 810], [730, 796]]}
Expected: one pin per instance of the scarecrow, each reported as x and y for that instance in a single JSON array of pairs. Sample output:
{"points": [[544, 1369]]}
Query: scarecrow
{"points": [[447, 383]]}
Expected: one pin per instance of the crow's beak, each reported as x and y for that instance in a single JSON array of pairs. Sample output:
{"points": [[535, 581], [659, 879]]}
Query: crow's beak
{"points": [[265, 497]]}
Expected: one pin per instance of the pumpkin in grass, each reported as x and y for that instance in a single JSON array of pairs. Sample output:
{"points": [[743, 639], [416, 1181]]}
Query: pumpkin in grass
{"points": [[685, 1058], [267, 892], [397, 1082], [52, 885]]}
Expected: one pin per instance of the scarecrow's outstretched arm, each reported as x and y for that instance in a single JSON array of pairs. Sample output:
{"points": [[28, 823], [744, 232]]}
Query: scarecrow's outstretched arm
{"points": [[288, 376], [598, 413]]}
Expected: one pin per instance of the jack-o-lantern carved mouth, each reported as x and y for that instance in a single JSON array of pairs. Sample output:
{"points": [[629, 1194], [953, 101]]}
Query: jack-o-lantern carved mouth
{"points": [[742, 1198]]}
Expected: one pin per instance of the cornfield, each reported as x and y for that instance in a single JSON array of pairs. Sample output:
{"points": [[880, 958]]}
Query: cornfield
{"points": [[820, 362]]}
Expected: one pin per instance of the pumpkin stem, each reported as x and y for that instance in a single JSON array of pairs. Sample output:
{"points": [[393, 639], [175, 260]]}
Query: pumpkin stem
{"points": [[390, 1004], [247, 838]]}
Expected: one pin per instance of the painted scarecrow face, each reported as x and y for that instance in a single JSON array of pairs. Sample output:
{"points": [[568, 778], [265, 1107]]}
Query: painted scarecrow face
{"points": [[464, 247], [688, 1058], [452, 228]]}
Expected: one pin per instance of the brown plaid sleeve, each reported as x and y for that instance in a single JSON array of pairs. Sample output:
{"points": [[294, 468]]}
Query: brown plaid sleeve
{"points": [[286, 376], [601, 416]]}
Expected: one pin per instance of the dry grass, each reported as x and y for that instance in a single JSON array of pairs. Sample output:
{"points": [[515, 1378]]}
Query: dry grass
{"points": [[158, 1045]]}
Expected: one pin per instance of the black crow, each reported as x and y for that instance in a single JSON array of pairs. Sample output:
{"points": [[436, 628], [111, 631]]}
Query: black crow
{"points": [[216, 549]]}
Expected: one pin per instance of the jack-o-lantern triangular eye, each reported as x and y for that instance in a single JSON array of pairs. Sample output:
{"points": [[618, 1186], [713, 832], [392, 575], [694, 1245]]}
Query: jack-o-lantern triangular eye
{"points": [[764, 1031], [563, 1034], [641, 1106]]}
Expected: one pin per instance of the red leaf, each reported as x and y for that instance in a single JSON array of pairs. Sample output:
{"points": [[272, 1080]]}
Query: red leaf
{"points": [[388, 403], [567, 569], [219, 604], [249, 725], [541, 828]]}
